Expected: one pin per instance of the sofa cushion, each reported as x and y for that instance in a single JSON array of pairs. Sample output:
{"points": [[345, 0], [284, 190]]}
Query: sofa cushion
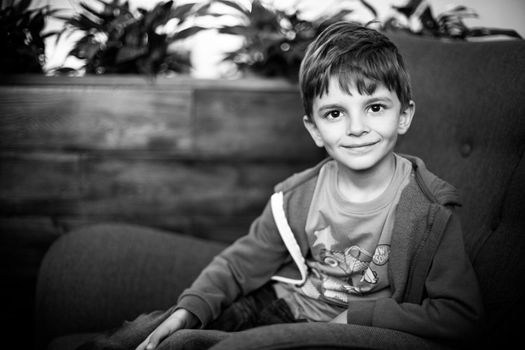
{"points": [[70, 342], [98, 276], [321, 336]]}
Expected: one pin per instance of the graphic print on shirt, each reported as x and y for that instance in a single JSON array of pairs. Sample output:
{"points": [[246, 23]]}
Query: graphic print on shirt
{"points": [[336, 273]]}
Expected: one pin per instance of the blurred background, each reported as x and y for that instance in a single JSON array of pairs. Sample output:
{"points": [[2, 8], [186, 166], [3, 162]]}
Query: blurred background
{"points": [[213, 39], [209, 47]]}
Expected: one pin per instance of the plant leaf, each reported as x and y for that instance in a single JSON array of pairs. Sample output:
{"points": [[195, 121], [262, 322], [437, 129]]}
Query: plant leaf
{"points": [[85, 48], [369, 7], [48, 34], [180, 12], [235, 5], [159, 15], [201, 9], [235, 30], [91, 10], [186, 33], [37, 23], [82, 22], [129, 54]]}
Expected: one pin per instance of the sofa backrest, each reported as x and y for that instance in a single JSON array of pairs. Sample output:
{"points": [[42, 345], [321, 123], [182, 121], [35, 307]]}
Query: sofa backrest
{"points": [[469, 128]]}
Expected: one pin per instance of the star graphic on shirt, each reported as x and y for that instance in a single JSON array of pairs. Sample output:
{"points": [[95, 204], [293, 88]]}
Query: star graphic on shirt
{"points": [[325, 238]]}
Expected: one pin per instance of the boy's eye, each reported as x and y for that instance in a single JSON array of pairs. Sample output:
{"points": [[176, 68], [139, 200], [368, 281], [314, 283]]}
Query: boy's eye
{"points": [[376, 108], [333, 115]]}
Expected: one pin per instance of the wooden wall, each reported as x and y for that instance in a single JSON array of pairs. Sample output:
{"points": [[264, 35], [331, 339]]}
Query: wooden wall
{"points": [[193, 156]]}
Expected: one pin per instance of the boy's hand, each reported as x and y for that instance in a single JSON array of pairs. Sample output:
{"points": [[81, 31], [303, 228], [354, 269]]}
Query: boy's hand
{"points": [[180, 319], [341, 318]]}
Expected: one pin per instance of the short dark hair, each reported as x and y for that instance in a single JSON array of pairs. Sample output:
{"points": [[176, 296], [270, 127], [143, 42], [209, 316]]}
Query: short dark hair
{"points": [[355, 54]]}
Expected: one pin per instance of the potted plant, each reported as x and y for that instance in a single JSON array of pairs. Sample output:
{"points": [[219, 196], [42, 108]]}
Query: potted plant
{"points": [[275, 40], [117, 40], [22, 37], [416, 17]]}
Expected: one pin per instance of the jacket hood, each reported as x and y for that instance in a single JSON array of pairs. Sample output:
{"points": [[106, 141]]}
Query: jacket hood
{"points": [[435, 188]]}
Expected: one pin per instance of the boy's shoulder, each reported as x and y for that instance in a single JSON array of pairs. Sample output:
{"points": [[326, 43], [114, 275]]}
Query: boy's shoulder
{"points": [[434, 188]]}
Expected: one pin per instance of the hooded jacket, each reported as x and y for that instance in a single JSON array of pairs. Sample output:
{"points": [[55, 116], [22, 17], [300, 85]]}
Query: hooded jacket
{"points": [[435, 293]]}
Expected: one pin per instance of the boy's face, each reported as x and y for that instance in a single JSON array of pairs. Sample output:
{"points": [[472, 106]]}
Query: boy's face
{"points": [[358, 131]]}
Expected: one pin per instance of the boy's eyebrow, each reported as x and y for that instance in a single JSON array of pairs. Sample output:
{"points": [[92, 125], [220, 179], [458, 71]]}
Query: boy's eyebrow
{"points": [[379, 98], [329, 106]]}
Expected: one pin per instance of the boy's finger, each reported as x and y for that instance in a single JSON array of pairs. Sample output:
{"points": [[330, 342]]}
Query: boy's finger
{"points": [[162, 332], [155, 337], [142, 346]]}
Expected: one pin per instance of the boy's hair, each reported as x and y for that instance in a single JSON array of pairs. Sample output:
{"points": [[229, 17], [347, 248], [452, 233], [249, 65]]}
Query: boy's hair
{"points": [[355, 55]]}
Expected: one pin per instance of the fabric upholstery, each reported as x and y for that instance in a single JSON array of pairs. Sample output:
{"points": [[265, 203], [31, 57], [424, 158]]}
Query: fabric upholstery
{"points": [[469, 127], [71, 341], [322, 336], [95, 278]]}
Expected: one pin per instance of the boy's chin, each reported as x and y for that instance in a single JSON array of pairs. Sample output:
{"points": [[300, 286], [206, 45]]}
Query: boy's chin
{"points": [[362, 164]]}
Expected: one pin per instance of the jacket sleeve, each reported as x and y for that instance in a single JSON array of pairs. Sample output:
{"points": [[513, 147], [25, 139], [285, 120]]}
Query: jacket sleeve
{"points": [[241, 268], [452, 307]]}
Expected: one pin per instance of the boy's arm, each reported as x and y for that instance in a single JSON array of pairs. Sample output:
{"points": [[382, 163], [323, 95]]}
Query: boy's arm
{"points": [[452, 308], [241, 268]]}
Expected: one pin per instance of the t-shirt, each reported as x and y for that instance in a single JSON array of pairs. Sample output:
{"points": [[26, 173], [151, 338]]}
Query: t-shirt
{"points": [[349, 247]]}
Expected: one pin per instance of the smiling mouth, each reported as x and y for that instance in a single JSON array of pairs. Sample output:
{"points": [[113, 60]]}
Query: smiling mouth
{"points": [[361, 145]]}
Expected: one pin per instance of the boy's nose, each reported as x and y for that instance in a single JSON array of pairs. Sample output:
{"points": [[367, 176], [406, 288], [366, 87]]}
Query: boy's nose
{"points": [[356, 126]]}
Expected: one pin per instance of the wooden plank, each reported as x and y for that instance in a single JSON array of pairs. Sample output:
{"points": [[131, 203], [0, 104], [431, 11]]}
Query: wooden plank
{"points": [[38, 182], [208, 200], [251, 124], [94, 118], [211, 201], [143, 82], [135, 187], [141, 187], [154, 186], [256, 119]]}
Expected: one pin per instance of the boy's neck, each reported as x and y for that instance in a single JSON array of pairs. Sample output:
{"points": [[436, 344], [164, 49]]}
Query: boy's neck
{"points": [[367, 185]]}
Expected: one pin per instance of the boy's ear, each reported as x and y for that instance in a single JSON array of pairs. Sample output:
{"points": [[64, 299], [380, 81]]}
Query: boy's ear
{"points": [[405, 119], [313, 131]]}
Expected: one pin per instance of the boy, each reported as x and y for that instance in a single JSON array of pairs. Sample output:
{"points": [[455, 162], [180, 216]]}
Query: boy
{"points": [[366, 237]]}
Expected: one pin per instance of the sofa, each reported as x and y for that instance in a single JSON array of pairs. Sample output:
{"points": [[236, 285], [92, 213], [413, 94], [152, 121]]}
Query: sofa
{"points": [[469, 128]]}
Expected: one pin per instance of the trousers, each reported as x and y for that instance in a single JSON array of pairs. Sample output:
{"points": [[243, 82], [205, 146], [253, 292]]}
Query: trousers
{"points": [[259, 308]]}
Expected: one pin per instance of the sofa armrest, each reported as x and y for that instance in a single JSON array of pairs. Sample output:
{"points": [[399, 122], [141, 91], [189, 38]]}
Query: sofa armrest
{"points": [[94, 278], [310, 336]]}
